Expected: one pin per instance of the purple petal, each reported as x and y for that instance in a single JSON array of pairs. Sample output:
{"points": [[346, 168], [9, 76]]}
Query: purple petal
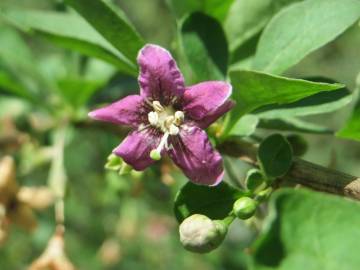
{"points": [[214, 115], [160, 78], [135, 148], [127, 111], [207, 101], [193, 153]]}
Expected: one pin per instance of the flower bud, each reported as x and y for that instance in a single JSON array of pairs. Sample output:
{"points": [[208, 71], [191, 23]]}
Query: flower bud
{"points": [[200, 234], [245, 207]]}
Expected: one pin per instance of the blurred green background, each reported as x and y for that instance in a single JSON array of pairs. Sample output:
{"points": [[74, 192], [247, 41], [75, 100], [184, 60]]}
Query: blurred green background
{"points": [[126, 222]]}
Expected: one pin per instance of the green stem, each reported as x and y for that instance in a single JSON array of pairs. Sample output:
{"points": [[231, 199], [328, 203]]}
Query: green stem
{"points": [[57, 176], [229, 219]]}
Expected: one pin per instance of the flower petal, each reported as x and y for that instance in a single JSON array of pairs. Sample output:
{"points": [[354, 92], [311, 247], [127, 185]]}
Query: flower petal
{"points": [[160, 78], [207, 101], [216, 114], [127, 111], [193, 153], [135, 148]]}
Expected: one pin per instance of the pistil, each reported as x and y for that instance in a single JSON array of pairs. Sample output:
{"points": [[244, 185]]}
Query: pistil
{"points": [[155, 154]]}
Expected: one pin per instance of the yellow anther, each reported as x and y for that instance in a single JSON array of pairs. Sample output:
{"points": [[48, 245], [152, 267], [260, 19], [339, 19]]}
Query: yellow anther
{"points": [[157, 106], [179, 117]]}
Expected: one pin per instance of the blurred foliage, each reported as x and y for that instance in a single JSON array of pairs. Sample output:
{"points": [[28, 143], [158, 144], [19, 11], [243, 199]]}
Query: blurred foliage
{"points": [[56, 66]]}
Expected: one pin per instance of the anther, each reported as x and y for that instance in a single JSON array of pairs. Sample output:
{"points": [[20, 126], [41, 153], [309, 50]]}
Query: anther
{"points": [[157, 106], [179, 117], [173, 130], [153, 118]]}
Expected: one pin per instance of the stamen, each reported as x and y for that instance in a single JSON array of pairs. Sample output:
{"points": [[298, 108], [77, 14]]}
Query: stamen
{"points": [[179, 117], [155, 154], [153, 118], [157, 106], [168, 121], [173, 130]]}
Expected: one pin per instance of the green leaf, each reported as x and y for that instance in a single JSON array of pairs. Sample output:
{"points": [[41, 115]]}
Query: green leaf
{"points": [[78, 91], [255, 89], [214, 202], [254, 180], [80, 37], [245, 126], [298, 144], [309, 230], [293, 124], [275, 156], [247, 18], [111, 25], [205, 46], [351, 130], [10, 85], [214, 8], [300, 29], [317, 104]]}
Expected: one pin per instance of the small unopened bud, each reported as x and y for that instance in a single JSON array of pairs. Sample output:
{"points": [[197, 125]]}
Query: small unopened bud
{"points": [[200, 234], [245, 207]]}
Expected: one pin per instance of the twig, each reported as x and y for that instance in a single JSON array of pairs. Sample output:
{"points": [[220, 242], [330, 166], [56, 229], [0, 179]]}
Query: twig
{"points": [[301, 172]]}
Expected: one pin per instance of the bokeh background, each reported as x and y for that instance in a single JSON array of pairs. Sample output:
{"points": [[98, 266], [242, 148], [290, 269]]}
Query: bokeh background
{"points": [[127, 222]]}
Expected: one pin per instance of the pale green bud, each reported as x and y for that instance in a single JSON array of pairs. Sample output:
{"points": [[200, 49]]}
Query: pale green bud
{"points": [[200, 234], [245, 207]]}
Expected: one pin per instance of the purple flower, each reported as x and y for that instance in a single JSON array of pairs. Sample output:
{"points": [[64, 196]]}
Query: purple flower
{"points": [[168, 117]]}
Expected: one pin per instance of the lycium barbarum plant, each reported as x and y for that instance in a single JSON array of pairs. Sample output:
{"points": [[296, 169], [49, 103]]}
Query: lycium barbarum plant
{"points": [[168, 118]]}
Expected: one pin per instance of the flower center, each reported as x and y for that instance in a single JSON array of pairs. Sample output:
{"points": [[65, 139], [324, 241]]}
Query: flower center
{"points": [[168, 121]]}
